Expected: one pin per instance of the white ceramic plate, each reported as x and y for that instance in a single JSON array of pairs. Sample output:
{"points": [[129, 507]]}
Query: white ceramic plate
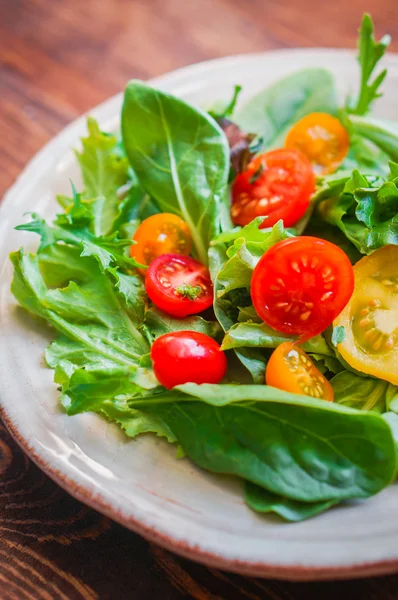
{"points": [[140, 483]]}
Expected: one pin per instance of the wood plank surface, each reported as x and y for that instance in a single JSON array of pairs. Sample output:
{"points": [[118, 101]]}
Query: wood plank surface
{"points": [[59, 58]]}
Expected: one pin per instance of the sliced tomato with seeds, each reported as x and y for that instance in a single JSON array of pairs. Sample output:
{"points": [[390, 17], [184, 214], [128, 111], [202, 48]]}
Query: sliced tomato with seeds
{"points": [[179, 285], [370, 319], [301, 284], [292, 370], [276, 185]]}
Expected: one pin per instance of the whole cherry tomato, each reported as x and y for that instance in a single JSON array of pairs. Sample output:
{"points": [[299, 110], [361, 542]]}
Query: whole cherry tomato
{"points": [[276, 185], [322, 139], [300, 285], [179, 285], [187, 356], [163, 233], [290, 369]]}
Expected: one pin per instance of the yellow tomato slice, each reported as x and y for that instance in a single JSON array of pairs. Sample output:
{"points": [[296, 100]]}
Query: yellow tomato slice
{"points": [[370, 318], [322, 139], [292, 370]]}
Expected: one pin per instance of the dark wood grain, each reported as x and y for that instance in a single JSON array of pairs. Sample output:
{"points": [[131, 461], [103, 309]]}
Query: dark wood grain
{"points": [[58, 58]]}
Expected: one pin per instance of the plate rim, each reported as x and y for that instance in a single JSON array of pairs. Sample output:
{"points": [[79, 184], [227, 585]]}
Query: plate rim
{"points": [[97, 500]]}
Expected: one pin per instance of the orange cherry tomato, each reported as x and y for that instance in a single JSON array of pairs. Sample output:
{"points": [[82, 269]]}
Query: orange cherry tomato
{"points": [[292, 370], [160, 234], [322, 139]]}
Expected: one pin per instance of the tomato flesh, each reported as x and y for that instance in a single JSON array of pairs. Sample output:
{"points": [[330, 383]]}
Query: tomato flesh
{"points": [[163, 233], [301, 284], [370, 319], [187, 356], [322, 139], [179, 285], [292, 370], [276, 185]]}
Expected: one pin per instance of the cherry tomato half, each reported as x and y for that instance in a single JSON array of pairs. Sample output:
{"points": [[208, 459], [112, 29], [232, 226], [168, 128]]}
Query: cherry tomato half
{"points": [[301, 284], [276, 185], [370, 319], [179, 285], [322, 139], [163, 233], [187, 356], [290, 369]]}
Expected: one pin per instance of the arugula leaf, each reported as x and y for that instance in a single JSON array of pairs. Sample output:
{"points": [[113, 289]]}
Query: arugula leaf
{"points": [[181, 158], [104, 171], [223, 112], [273, 111], [370, 52], [264, 501], [363, 393], [333, 453]]}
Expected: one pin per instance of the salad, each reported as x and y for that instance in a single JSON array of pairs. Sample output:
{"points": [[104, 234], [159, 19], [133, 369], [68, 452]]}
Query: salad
{"points": [[228, 280]]}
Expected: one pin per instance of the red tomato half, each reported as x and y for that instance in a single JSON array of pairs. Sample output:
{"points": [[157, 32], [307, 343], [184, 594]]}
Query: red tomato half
{"points": [[187, 356], [276, 185], [179, 285], [301, 284]]}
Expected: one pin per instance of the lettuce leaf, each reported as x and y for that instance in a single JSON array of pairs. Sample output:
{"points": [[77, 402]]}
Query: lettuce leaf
{"points": [[366, 211]]}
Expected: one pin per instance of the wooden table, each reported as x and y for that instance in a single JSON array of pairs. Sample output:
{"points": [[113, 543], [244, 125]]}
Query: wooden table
{"points": [[58, 59]]}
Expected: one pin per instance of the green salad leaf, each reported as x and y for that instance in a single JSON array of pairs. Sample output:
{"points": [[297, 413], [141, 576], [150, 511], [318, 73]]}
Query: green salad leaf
{"points": [[365, 211], [181, 158], [363, 393], [264, 501], [104, 171], [273, 111], [381, 133], [333, 453], [159, 323], [73, 228], [370, 53]]}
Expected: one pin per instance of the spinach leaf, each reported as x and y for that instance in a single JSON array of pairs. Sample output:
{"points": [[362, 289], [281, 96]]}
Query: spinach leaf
{"points": [[273, 111], [370, 52], [181, 158], [332, 453], [264, 501]]}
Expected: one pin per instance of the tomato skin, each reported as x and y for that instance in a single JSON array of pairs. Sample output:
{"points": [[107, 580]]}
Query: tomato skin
{"points": [[163, 233], [323, 140], [168, 273], [277, 185], [187, 356], [290, 369], [370, 319], [301, 284]]}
